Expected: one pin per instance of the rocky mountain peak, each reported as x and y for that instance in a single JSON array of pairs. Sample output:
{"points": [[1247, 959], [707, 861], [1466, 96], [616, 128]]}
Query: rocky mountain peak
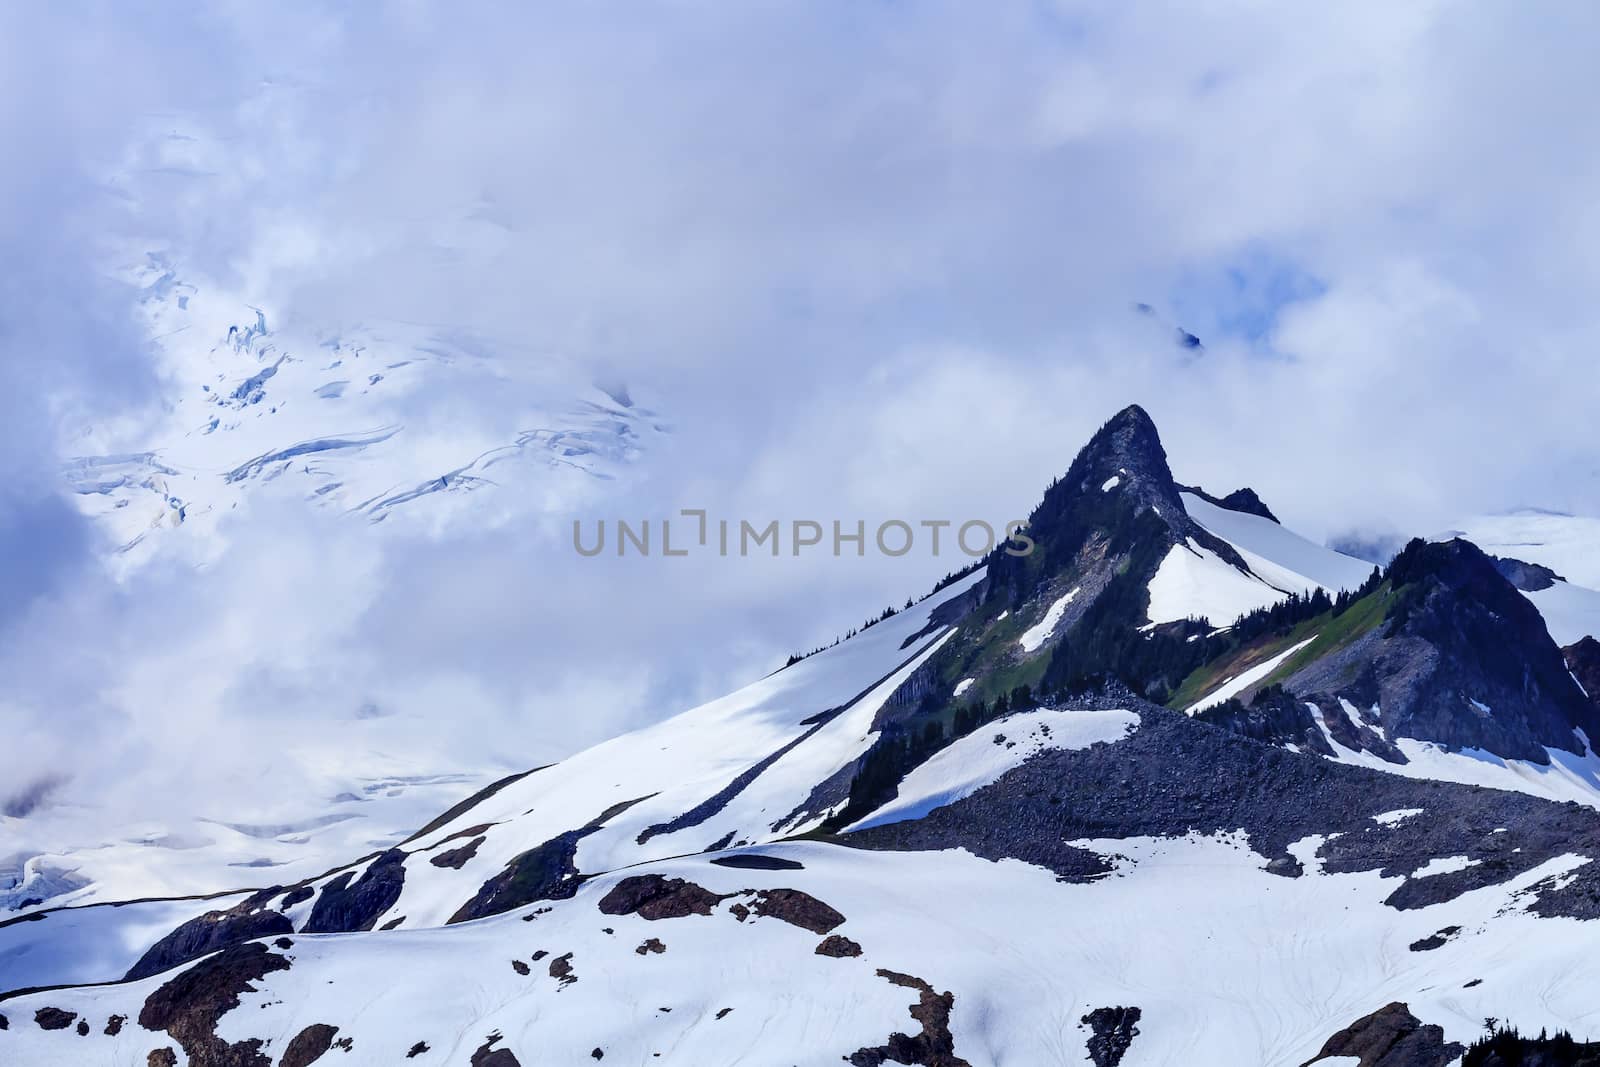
{"points": [[1468, 661]]}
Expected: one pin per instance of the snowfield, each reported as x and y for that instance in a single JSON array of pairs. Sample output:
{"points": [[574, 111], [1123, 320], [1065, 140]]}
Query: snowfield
{"points": [[1278, 555], [1227, 963], [1567, 544], [1195, 583]]}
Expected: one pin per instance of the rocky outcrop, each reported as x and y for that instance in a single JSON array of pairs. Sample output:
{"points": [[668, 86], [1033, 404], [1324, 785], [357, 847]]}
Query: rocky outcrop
{"points": [[934, 1046], [207, 933], [307, 1047], [1461, 659], [1528, 577], [1174, 776], [650, 896], [1390, 1037], [547, 872], [342, 907], [1112, 1031], [1244, 500], [1273, 716], [838, 946], [188, 1006], [1118, 490], [1583, 660]]}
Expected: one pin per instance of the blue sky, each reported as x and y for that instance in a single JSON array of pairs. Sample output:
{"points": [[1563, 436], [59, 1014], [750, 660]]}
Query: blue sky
{"points": [[868, 261]]}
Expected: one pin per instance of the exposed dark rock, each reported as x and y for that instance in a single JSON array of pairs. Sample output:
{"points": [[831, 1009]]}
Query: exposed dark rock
{"points": [[308, 1045], [489, 1056], [1463, 659], [1583, 660], [723, 1013], [114, 1025], [344, 908], [933, 1047], [394, 923], [5, 1024], [1273, 716], [1433, 941], [797, 908], [162, 1057], [755, 861], [561, 969], [54, 1018], [1112, 1030], [1247, 501], [83, 1027], [1391, 1037], [838, 946], [1244, 500], [456, 858], [649, 945], [650, 896], [1528, 577], [541, 954], [1174, 775], [188, 1006], [546, 872], [284, 943], [1077, 511], [416, 1050], [597, 1054], [207, 933], [295, 896], [520, 967]]}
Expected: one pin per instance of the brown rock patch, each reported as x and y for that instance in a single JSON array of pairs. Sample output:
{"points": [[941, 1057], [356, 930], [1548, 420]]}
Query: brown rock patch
{"points": [[308, 1045], [838, 946]]}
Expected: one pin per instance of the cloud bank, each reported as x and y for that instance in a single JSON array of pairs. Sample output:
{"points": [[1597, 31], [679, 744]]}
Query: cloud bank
{"points": [[869, 261]]}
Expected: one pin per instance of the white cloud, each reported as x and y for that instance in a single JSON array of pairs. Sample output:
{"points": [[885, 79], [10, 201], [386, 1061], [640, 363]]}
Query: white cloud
{"points": [[872, 262]]}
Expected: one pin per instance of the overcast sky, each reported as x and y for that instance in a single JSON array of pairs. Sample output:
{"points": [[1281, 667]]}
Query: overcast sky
{"points": [[869, 260]]}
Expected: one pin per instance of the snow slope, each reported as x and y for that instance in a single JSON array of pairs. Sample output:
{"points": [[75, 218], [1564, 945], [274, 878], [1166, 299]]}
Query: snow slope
{"points": [[1194, 582], [1567, 544], [982, 757], [1278, 555], [1228, 964], [1567, 777], [1571, 612], [96, 856]]}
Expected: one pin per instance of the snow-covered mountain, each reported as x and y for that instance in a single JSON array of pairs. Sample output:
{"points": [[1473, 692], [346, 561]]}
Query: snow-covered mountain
{"points": [[361, 419], [1177, 787]]}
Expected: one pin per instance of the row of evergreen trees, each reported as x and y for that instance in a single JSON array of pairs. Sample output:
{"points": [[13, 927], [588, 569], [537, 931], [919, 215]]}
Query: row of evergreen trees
{"points": [[1503, 1046]]}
